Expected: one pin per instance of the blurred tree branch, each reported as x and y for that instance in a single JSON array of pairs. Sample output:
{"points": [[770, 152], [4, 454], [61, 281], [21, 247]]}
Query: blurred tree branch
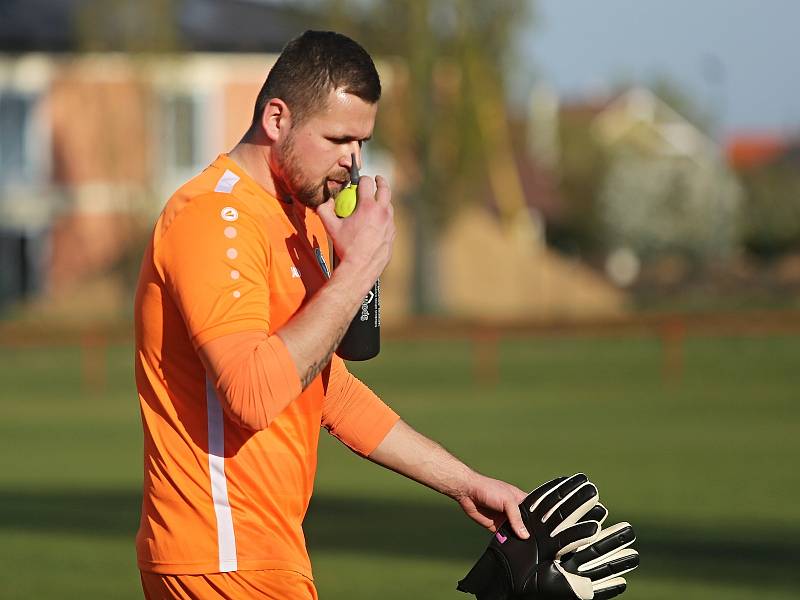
{"points": [[771, 217], [449, 59]]}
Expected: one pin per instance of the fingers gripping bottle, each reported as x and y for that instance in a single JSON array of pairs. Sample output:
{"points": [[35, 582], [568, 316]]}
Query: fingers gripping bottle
{"points": [[363, 338]]}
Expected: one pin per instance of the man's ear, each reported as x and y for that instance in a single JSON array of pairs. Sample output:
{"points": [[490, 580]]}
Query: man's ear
{"points": [[276, 120]]}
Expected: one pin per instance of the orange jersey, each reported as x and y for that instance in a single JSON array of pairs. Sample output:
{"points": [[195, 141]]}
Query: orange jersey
{"points": [[226, 257]]}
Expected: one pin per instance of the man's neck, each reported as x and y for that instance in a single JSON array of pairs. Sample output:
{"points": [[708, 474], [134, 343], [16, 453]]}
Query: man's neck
{"points": [[251, 157]]}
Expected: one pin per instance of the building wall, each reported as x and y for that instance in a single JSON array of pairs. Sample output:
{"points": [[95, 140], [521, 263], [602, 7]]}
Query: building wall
{"points": [[112, 137], [107, 139], [99, 125]]}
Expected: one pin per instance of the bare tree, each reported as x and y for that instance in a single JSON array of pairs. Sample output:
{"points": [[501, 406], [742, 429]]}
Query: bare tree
{"points": [[445, 120]]}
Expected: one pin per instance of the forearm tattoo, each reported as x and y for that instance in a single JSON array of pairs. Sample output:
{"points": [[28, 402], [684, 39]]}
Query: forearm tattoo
{"points": [[315, 368]]}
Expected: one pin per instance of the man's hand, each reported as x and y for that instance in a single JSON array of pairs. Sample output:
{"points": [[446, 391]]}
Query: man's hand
{"points": [[491, 502], [363, 241]]}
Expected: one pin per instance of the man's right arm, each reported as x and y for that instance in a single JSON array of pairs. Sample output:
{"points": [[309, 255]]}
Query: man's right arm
{"points": [[313, 334], [246, 366]]}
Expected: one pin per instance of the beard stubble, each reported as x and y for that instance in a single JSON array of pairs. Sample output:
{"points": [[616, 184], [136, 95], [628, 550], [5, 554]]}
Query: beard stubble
{"points": [[303, 190]]}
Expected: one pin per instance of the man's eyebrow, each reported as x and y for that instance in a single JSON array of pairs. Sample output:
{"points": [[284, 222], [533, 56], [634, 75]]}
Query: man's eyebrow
{"points": [[350, 137]]}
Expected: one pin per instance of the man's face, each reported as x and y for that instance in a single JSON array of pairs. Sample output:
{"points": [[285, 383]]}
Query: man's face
{"points": [[313, 160]]}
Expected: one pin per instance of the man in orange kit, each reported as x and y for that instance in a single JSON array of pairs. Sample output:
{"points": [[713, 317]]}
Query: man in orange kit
{"points": [[236, 326]]}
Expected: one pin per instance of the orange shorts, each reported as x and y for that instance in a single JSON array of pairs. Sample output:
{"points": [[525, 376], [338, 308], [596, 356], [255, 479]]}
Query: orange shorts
{"points": [[271, 584]]}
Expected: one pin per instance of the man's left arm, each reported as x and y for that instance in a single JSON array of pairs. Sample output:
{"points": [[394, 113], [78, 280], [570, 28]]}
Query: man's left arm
{"points": [[489, 502], [357, 417]]}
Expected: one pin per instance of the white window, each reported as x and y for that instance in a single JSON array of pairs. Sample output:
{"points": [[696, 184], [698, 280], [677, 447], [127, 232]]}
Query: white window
{"points": [[186, 137], [180, 119], [17, 163]]}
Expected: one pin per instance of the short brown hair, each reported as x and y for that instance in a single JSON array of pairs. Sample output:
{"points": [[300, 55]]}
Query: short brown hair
{"points": [[312, 65]]}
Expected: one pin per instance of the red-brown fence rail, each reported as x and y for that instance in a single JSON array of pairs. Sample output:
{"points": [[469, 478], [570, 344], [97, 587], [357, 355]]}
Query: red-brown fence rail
{"points": [[671, 328]]}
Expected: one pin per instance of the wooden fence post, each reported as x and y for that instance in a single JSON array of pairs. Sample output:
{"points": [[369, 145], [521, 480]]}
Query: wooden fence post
{"points": [[673, 336]]}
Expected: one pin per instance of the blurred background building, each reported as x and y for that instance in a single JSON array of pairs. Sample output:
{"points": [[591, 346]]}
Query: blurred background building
{"points": [[569, 208], [105, 109]]}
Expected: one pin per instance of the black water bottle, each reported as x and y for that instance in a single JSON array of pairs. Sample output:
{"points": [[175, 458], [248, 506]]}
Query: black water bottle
{"points": [[362, 340]]}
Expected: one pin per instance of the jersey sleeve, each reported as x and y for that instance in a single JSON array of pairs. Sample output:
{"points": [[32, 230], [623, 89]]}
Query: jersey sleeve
{"points": [[254, 374], [353, 413], [215, 259]]}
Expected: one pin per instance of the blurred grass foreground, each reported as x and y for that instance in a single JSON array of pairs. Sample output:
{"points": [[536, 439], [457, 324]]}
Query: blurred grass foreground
{"points": [[703, 464]]}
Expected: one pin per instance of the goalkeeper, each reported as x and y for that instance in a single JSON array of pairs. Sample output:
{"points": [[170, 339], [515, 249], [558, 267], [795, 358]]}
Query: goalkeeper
{"points": [[236, 325]]}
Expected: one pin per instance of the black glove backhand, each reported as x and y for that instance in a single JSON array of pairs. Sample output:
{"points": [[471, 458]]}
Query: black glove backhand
{"points": [[593, 572]]}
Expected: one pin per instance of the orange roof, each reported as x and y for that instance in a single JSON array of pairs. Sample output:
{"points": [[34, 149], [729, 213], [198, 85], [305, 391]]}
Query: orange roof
{"points": [[753, 150]]}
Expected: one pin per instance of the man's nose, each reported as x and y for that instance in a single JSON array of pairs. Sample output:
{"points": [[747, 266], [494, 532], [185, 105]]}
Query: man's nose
{"points": [[352, 149]]}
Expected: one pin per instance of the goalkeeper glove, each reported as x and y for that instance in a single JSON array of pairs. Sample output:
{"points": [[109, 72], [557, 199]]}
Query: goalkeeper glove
{"points": [[553, 514], [593, 571]]}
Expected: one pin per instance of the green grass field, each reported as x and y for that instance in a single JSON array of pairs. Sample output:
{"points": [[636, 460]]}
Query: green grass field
{"points": [[705, 467]]}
